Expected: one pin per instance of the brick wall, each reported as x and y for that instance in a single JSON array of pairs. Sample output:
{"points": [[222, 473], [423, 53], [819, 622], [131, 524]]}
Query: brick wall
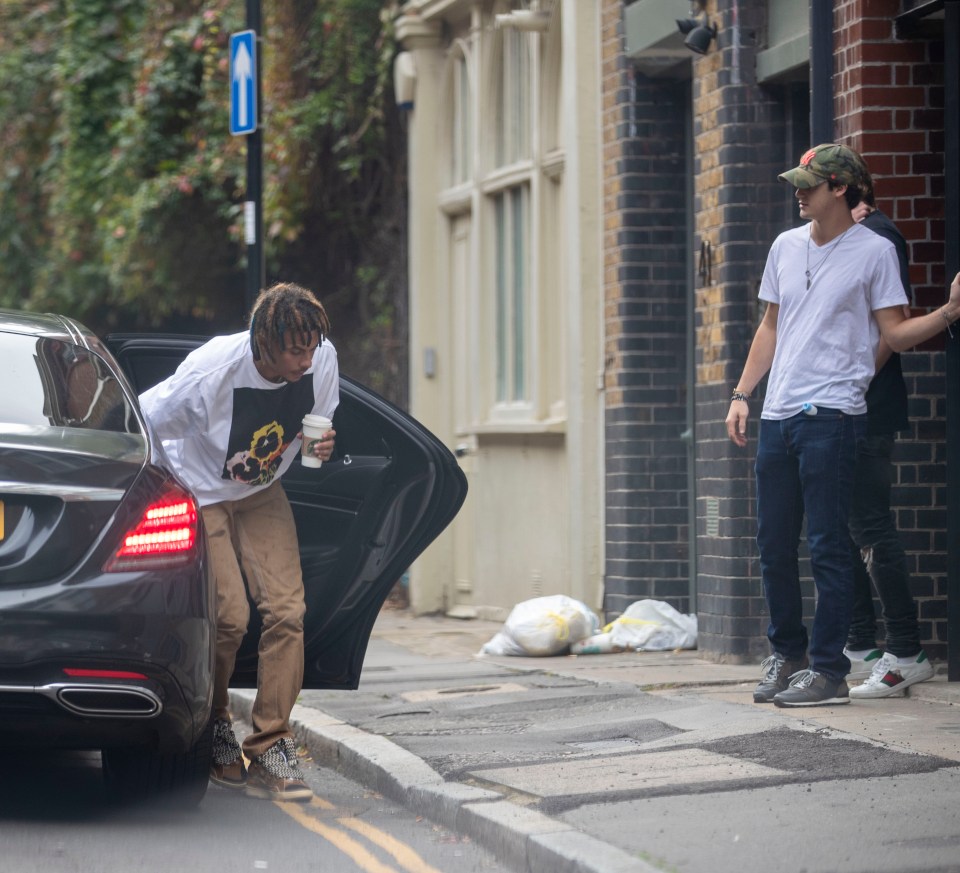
{"points": [[645, 317], [889, 101], [741, 133]]}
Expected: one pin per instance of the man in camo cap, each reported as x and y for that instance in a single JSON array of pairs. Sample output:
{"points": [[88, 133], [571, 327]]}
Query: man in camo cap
{"points": [[832, 288]]}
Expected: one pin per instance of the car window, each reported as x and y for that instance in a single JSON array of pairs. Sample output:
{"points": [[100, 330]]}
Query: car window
{"points": [[52, 382]]}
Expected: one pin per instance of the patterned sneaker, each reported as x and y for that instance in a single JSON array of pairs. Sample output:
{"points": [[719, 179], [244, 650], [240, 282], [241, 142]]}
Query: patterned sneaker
{"points": [[892, 674], [862, 662], [810, 688], [227, 769], [777, 670], [276, 774]]}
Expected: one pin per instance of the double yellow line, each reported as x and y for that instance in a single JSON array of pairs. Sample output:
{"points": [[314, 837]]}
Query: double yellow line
{"points": [[403, 855]]}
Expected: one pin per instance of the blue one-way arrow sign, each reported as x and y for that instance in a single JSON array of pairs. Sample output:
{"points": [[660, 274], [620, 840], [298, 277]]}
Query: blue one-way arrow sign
{"points": [[243, 82]]}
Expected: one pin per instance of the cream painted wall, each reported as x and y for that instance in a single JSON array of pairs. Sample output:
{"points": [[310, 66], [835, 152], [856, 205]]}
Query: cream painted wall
{"points": [[533, 520], [430, 577], [521, 548]]}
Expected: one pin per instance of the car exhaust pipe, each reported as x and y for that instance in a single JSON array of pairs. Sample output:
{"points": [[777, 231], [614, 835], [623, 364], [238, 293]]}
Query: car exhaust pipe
{"points": [[132, 701], [95, 700]]}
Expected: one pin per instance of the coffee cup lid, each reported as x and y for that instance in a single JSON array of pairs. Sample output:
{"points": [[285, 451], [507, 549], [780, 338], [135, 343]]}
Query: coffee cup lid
{"points": [[316, 421]]}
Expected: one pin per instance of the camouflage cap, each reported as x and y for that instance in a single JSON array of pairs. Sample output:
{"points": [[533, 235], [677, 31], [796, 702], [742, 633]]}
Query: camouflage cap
{"points": [[829, 162]]}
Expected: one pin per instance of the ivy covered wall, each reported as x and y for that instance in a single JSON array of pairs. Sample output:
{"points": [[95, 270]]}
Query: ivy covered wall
{"points": [[121, 192]]}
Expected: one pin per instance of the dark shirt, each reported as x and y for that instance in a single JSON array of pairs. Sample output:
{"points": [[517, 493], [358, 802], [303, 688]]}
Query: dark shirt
{"points": [[887, 394]]}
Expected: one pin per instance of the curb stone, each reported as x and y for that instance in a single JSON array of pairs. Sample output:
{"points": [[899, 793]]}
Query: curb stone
{"points": [[520, 837]]}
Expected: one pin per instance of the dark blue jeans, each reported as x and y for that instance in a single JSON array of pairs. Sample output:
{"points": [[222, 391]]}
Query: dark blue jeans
{"points": [[805, 467], [883, 560]]}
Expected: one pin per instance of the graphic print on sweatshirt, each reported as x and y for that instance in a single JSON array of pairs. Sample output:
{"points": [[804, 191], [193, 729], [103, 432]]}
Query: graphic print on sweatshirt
{"points": [[265, 422]]}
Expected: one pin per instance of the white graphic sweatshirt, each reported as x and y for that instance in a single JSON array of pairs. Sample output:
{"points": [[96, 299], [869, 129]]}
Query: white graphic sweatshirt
{"points": [[228, 431]]}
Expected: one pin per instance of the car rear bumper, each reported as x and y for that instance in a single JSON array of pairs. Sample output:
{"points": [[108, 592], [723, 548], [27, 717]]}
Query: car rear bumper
{"points": [[120, 660], [155, 712]]}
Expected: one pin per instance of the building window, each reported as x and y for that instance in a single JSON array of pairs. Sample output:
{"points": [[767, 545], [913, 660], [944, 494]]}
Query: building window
{"points": [[513, 98], [511, 209], [510, 194], [501, 178]]}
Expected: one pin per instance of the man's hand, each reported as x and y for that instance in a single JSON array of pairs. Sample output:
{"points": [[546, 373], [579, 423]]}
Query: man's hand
{"points": [[860, 211], [953, 304], [737, 421], [323, 447]]}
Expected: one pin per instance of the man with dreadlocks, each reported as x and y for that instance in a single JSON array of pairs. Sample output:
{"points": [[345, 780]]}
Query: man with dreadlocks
{"points": [[230, 421]]}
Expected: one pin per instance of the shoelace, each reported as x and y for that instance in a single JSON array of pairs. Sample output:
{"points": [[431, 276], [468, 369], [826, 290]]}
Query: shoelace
{"points": [[803, 678], [772, 665], [880, 670], [289, 751]]}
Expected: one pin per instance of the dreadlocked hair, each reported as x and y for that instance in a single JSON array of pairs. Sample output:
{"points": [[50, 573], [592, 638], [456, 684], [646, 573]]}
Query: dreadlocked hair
{"points": [[285, 310]]}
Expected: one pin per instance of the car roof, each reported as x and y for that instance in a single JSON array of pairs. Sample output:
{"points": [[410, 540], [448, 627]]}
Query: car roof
{"points": [[45, 324]]}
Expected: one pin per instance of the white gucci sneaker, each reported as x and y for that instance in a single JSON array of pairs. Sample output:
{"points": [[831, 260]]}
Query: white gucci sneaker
{"points": [[892, 674], [861, 663]]}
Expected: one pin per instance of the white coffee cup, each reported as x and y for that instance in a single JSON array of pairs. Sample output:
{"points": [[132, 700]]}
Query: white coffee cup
{"points": [[314, 427]]}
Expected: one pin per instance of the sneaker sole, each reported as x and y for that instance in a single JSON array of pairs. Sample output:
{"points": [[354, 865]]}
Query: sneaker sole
{"points": [[830, 701], [266, 794], [887, 690], [226, 783]]}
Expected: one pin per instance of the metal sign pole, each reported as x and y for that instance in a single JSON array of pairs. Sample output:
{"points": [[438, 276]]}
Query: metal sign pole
{"points": [[821, 71], [253, 208]]}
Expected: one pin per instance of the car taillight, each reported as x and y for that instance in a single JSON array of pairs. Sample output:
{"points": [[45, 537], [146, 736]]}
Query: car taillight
{"points": [[82, 673], [165, 536]]}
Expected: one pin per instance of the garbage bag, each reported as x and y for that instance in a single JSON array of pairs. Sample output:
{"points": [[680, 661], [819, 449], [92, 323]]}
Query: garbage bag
{"points": [[644, 626], [543, 626]]}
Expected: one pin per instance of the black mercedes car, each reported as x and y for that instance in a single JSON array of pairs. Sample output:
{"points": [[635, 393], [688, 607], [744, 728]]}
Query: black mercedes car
{"points": [[106, 605]]}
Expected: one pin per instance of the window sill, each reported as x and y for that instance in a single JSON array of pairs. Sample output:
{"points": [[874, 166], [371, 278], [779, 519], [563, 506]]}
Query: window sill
{"points": [[544, 427]]}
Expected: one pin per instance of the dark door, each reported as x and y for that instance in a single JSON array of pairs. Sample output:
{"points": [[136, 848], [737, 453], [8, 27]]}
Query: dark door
{"points": [[362, 518]]}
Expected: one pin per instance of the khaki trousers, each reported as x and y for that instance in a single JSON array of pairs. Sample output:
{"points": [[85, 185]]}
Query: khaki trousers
{"points": [[258, 535]]}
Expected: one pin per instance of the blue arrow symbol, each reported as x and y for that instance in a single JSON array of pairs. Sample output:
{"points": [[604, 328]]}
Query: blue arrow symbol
{"points": [[242, 77]]}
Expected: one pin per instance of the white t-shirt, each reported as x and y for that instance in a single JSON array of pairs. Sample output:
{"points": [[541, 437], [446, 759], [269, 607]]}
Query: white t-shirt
{"points": [[827, 337], [228, 431]]}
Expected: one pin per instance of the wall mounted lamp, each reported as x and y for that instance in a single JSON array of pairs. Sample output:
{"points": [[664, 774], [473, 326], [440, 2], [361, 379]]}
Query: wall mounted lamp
{"points": [[699, 31], [699, 39]]}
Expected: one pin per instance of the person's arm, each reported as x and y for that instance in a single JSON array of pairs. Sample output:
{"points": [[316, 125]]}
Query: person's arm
{"points": [[884, 351], [883, 355], [902, 333], [758, 364]]}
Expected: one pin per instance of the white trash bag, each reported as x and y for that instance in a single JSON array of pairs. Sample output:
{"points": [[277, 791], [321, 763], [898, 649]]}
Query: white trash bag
{"points": [[543, 626], [644, 626]]}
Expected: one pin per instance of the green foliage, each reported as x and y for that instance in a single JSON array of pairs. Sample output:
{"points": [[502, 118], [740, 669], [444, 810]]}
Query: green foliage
{"points": [[121, 191], [28, 123]]}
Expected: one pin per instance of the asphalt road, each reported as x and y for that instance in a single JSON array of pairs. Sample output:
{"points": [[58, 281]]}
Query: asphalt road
{"points": [[54, 819]]}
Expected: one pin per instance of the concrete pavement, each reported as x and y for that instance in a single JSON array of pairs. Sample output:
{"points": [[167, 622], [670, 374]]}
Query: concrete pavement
{"points": [[571, 763]]}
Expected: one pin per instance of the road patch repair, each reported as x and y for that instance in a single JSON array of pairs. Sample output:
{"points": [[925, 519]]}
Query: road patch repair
{"points": [[558, 742]]}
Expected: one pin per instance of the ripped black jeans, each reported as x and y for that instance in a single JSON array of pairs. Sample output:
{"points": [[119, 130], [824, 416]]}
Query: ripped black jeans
{"points": [[879, 556]]}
